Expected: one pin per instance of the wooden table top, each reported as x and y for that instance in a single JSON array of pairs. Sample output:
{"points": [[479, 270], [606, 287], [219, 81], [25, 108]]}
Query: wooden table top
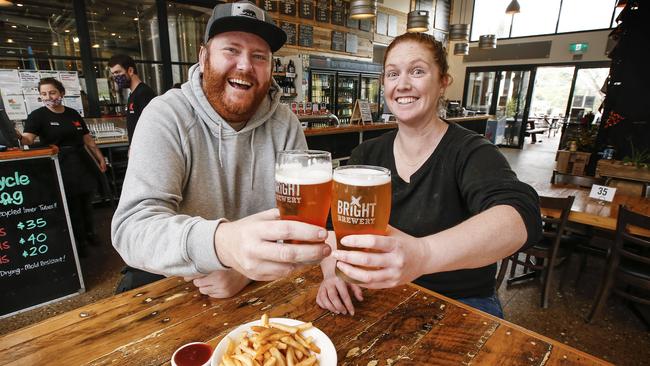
{"points": [[355, 127], [407, 324], [593, 212]]}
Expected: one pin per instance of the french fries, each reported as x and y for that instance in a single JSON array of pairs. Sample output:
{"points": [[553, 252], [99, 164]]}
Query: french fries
{"points": [[272, 344]]}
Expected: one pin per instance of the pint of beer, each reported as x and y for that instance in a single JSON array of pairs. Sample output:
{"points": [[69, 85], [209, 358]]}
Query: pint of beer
{"points": [[360, 203], [303, 185]]}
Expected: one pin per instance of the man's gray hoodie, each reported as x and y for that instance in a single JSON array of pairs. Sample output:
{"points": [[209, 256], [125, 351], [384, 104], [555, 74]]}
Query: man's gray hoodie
{"points": [[188, 170]]}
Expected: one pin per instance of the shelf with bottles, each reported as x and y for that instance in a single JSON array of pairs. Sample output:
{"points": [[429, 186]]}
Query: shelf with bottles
{"points": [[290, 75]]}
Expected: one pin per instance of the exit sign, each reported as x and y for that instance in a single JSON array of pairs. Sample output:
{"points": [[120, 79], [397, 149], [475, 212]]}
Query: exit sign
{"points": [[578, 48]]}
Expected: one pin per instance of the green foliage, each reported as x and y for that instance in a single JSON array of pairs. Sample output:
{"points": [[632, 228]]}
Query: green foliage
{"points": [[640, 159]]}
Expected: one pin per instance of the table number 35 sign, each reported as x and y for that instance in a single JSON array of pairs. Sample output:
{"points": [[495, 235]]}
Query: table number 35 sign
{"points": [[602, 193]]}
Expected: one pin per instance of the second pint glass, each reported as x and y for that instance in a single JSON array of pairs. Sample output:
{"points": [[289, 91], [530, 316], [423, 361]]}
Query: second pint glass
{"points": [[361, 202], [303, 185]]}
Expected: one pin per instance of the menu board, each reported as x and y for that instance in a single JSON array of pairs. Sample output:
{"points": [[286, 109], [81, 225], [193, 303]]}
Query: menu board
{"points": [[365, 25], [351, 43], [269, 5], [382, 23], [37, 260], [288, 7], [338, 12], [307, 9], [323, 11], [306, 37], [290, 30], [350, 23], [338, 41]]}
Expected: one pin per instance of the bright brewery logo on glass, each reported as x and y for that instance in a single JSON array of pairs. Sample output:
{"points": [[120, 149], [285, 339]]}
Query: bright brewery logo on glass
{"points": [[355, 212], [303, 185]]}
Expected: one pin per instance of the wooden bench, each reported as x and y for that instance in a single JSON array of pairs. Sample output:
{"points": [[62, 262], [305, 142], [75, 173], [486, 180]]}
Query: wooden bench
{"points": [[534, 131]]}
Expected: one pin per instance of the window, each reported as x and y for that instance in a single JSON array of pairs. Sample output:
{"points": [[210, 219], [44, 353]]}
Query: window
{"points": [[541, 17], [186, 26], [580, 15]]}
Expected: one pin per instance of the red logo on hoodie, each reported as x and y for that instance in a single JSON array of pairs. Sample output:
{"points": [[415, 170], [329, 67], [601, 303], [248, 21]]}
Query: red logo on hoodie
{"points": [[131, 106], [76, 123]]}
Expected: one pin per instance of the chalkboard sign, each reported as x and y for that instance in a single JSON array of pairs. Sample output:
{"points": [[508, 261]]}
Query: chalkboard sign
{"points": [[290, 30], [306, 37], [307, 9], [338, 41], [365, 25], [351, 43], [288, 7], [269, 5], [323, 11], [338, 12], [361, 112], [37, 260]]}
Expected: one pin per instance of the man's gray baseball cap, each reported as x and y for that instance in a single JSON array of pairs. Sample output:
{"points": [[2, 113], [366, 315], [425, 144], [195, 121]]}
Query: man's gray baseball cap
{"points": [[244, 17]]}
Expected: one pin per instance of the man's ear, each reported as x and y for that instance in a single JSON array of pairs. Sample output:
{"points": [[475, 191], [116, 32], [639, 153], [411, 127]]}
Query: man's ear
{"points": [[203, 58], [130, 71]]}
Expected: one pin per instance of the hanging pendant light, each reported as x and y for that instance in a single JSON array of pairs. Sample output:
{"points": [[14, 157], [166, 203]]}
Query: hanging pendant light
{"points": [[459, 32], [513, 7], [461, 49], [417, 21], [487, 41], [363, 9]]}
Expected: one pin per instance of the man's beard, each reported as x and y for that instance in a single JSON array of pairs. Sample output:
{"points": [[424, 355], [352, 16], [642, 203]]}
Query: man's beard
{"points": [[236, 110]]}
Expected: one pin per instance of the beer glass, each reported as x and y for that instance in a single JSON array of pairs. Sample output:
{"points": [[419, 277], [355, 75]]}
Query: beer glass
{"points": [[303, 185], [361, 201]]}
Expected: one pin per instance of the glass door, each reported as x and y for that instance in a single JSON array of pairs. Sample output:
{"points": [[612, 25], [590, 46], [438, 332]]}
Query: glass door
{"points": [[479, 91], [370, 88], [321, 88], [511, 104], [587, 95], [347, 90]]}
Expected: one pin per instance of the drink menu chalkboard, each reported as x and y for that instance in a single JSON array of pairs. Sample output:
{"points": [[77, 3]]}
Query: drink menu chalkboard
{"points": [[306, 37], [323, 11], [290, 30], [338, 12], [288, 7], [37, 260], [338, 41], [307, 9], [269, 5]]}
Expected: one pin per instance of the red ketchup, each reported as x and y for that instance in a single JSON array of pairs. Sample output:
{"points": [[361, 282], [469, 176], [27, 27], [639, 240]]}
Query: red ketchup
{"points": [[196, 354]]}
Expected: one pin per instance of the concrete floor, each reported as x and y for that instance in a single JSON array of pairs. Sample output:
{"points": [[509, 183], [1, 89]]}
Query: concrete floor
{"points": [[617, 335]]}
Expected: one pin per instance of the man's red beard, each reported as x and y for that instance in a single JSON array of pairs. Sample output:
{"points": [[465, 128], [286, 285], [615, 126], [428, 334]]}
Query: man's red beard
{"points": [[239, 110]]}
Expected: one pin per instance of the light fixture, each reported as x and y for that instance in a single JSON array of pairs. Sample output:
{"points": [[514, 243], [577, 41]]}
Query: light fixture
{"points": [[96, 45], [513, 7], [55, 43], [13, 26], [460, 31], [136, 19], [461, 48], [10, 40], [75, 39], [487, 41], [417, 20], [113, 34], [19, 5], [363, 9], [67, 30]]}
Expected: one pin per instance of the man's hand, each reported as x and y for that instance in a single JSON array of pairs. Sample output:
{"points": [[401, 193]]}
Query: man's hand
{"points": [[220, 284], [250, 245]]}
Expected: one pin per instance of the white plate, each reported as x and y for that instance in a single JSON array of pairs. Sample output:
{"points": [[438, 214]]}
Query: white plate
{"points": [[327, 356]]}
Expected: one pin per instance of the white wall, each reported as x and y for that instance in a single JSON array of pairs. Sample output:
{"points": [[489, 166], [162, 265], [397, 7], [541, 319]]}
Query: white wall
{"points": [[401, 5], [559, 51]]}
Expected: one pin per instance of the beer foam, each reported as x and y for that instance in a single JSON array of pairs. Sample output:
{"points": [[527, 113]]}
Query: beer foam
{"points": [[361, 177], [298, 174]]}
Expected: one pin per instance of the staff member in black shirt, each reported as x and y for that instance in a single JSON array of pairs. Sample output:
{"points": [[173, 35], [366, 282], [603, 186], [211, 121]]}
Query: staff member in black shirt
{"points": [[126, 76], [62, 126], [457, 207]]}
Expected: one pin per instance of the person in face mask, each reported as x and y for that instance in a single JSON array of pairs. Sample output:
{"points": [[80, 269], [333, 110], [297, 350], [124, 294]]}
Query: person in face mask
{"points": [[126, 76], [59, 125]]}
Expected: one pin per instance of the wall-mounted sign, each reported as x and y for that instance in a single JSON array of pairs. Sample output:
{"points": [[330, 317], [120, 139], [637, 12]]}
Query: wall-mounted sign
{"points": [[338, 41], [578, 48], [269, 5], [323, 11], [306, 36], [290, 30], [338, 12], [288, 7], [307, 9]]}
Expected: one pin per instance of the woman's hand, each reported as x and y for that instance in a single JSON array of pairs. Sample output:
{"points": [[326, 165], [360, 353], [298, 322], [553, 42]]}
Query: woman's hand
{"points": [[333, 293], [399, 256]]}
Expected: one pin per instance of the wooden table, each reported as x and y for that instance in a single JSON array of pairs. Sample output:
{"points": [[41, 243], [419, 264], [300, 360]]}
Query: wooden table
{"points": [[593, 212], [406, 324]]}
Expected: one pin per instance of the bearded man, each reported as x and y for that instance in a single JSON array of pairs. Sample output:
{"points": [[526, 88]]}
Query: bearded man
{"points": [[199, 190]]}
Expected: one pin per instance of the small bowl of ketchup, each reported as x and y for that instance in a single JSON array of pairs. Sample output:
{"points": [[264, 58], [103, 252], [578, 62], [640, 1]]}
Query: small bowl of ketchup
{"points": [[192, 354]]}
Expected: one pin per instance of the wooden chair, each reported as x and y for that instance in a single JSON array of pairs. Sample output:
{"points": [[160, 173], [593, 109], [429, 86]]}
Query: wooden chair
{"points": [[628, 263], [543, 255]]}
